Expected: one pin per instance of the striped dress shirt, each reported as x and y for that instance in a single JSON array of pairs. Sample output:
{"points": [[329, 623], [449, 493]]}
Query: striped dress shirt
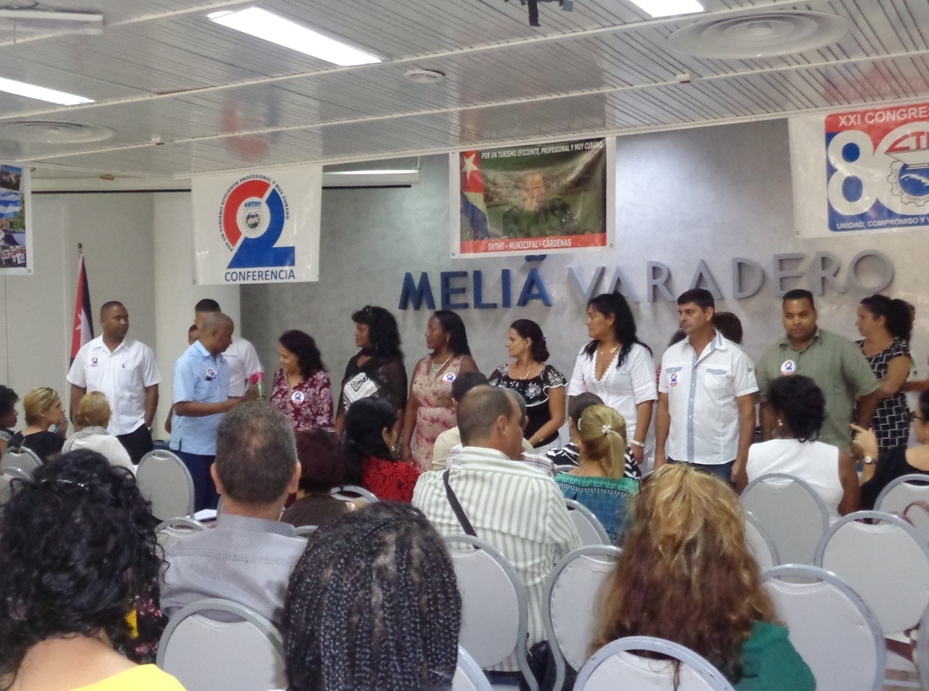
{"points": [[512, 506]]}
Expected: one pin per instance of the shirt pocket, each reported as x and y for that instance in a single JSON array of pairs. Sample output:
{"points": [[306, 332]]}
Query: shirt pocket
{"points": [[717, 379]]}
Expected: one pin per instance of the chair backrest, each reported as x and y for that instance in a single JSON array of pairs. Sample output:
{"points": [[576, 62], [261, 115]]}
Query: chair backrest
{"points": [[790, 512], [831, 627], [759, 544], [205, 654], [588, 526], [494, 610], [887, 564], [165, 481], [922, 648], [6, 490], [350, 492], [306, 530], [19, 462], [900, 493], [570, 604], [615, 667], [175, 529], [468, 674]]}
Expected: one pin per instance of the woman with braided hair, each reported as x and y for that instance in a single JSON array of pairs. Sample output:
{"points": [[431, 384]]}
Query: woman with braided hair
{"points": [[372, 604], [79, 581], [606, 478]]}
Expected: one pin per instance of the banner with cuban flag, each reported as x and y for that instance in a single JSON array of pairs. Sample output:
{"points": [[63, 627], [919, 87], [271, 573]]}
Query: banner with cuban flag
{"points": [[15, 222], [532, 199], [83, 331]]}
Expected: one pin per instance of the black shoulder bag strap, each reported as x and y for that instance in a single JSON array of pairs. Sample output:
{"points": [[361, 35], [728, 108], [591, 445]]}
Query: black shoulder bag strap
{"points": [[456, 507]]}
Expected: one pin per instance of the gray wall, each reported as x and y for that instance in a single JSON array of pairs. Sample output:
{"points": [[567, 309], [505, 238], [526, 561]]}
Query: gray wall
{"points": [[713, 193]]}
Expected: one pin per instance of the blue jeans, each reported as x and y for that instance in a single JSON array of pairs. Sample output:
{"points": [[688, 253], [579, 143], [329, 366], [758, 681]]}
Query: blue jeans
{"points": [[721, 470], [205, 495]]}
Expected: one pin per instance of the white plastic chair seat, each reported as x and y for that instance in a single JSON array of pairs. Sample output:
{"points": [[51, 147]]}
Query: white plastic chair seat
{"points": [[206, 654], [165, 481], [588, 525]]}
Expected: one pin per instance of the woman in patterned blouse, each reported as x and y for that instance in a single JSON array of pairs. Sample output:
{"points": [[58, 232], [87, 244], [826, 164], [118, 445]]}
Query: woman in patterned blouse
{"points": [[885, 325], [301, 386], [370, 448]]}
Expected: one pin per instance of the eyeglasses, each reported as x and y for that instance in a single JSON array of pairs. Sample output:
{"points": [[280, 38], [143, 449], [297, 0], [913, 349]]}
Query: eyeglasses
{"points": [[914, 416]]}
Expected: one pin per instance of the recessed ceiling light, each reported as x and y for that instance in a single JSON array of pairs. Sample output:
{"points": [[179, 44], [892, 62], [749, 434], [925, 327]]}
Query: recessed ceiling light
{"points": [[424, 76], [268, 26], [11, 86], [668, 8]]}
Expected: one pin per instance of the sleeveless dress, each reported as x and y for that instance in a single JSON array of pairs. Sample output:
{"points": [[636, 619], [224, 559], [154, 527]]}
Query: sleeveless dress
{"points": [[435, 414], [892, 416]]}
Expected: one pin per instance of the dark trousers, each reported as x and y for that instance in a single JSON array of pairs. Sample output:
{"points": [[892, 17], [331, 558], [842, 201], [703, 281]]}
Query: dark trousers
{"points": [[137, 443], [205, 495], [723, 471]]}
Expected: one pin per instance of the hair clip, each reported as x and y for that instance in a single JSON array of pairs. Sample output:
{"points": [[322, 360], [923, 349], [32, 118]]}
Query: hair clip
{"points": [[62, 481], [607, 429]]}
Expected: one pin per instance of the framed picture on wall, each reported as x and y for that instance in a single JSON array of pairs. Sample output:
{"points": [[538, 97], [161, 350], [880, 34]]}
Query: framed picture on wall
{"points": [[15, 221]]}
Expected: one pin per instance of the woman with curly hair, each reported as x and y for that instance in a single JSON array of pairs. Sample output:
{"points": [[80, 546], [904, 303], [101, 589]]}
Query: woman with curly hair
{"points": [[685, 574], [377, 370], [79, 578], [372, 604], [800, 409], [302, 390]]}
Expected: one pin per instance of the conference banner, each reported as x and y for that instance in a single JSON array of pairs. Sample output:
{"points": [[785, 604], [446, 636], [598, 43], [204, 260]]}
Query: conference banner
{"points": [[532, 199], [15, 221], [260, 227], [861, 171]]}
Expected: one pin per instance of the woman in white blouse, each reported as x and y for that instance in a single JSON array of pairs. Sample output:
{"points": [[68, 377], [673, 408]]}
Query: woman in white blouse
{"points": [[618, 367], [90, 421]]}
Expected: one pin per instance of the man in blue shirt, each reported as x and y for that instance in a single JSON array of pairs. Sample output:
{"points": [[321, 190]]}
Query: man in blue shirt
{"points": [[201, 398]]}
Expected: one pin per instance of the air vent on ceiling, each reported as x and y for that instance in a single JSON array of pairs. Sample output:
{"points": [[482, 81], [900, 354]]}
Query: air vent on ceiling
{"points": [[425, 76], [53, 132], [760, 35]]}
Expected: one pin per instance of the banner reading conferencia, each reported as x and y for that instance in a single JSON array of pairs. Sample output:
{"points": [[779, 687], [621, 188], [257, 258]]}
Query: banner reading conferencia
{"points": [[537, 199], [15, 221], [258, 227], [861, 170]]}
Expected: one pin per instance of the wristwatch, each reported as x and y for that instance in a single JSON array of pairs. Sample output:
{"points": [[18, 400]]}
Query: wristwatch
{"points": [[640, 444], [867, 460]]}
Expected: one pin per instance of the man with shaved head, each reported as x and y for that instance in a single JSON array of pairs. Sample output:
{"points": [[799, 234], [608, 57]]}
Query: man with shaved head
{"points": [[201, 398]]}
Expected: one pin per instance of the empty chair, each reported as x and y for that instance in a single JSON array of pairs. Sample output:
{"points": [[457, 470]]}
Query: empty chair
{"points": [[588, 526], [570, 604], [165, 481], [468, 674], [759, 544], [494, 615], [19, 462], [615, 667], [235, 650], [790, 512], [899, 496], [887, 564], [350, 492], [831, 627], [175, 529]]}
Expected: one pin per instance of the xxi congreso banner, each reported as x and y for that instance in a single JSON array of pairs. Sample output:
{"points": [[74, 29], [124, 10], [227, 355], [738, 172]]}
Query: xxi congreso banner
{"points": [[861, 170], [260, 227], [536, 199]]}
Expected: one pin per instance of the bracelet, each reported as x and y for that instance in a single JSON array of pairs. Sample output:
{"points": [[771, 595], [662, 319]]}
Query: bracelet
{"points": [[640, 444]]}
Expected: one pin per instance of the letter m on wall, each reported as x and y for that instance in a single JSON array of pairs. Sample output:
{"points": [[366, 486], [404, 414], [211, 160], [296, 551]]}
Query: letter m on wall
{"points": [[416, 293]]}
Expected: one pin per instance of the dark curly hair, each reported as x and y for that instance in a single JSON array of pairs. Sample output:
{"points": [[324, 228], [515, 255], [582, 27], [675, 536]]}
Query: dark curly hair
{"points": [[364, 423], [624, 327], [301, 344], [458, 336], [801, 403], [383, 332], [896, 314], [8, 400], [372, 604], [77, 554], [526, 328]]}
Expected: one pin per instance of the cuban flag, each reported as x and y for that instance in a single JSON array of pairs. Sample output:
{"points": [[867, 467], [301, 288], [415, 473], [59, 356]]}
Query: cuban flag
{"points": [[472, 194], [83, 330], [11, 203]]}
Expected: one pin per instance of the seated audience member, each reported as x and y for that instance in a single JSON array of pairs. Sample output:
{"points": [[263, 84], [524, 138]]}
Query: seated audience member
{"points": [[43, 411], [511, 505], [600, 482], [323, 468], [894, 462], [800, 408], [729, 325], [90, 422], [451, 438], [8, 416], [370, 443], [77, 561], [248, 556], [372, 604], [685, 574]]}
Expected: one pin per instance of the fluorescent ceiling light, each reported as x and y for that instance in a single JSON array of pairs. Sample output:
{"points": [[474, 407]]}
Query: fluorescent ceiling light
{"points": [[11, 86], [276, 29], [668, 8]]}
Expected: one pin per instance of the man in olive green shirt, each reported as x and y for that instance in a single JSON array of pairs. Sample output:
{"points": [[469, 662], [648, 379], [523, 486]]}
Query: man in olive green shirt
{"points": [[835, 363]]}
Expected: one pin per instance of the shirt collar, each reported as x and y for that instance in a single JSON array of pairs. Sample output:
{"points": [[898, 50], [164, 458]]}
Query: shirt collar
{"points": [[202, 349], [482, 453], [817, 336], [254, 525]]}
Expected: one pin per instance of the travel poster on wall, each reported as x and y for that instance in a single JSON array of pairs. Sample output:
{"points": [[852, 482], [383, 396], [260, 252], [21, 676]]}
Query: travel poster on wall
{"points": [[259, 227], [15, 221], [862, 170], [532, 199]]}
